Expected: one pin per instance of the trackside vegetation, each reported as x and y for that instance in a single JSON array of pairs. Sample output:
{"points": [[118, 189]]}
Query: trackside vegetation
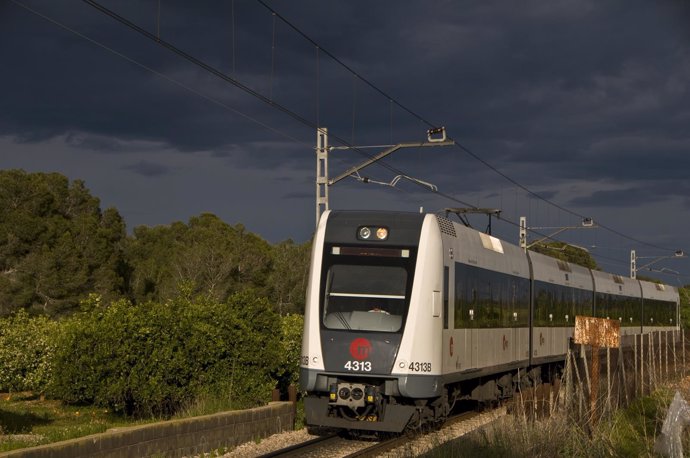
{"points": [[100, 328], [180, 319]]}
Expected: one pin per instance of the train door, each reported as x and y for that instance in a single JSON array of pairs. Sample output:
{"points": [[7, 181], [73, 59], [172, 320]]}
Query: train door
{"points": [[449, 340]]}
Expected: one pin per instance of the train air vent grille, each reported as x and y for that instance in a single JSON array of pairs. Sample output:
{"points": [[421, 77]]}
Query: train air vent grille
{"points": [[446, 226]]}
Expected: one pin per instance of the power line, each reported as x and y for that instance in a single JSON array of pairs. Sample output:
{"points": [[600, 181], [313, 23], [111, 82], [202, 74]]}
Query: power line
{"points": [[430, 124], [344, 65], [214, 72], [159, 74], [239, 84], [294, 115]]}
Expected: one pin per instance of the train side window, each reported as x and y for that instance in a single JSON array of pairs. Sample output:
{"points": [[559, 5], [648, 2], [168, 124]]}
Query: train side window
{"points": [[488, 299]]}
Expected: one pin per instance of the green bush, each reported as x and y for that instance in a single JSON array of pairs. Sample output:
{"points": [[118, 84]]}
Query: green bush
{"points": [[291, 347], [27, 345], [152, 359]]}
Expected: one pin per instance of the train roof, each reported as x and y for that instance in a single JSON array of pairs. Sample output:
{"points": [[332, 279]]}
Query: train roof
{"points": [[619, 285], [658, 291], [552, 270], [485, 251]]}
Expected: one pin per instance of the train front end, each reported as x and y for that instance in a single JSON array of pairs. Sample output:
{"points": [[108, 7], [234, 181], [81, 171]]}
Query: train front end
{"points": [[369, 357]]}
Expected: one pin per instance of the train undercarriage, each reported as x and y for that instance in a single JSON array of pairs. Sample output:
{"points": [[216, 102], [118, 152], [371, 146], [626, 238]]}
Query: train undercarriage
{"points": [[376, 405]]}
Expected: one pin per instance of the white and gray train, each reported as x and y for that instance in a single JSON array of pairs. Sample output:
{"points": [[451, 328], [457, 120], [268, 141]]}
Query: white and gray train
{"points": [[407, 313]]}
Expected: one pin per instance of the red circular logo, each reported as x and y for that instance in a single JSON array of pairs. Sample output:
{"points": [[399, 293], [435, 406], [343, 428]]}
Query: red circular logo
{"points": [[360, 348]]}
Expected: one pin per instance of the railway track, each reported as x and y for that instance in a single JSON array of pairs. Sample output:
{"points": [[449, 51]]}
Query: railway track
{"points": [[335, 446]]}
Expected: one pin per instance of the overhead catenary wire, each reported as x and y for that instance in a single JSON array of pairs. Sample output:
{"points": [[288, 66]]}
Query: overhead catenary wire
{"points": [[306, 122], [204, 96], [190, 89], [242, 86], [457, 144], [161, 75]]}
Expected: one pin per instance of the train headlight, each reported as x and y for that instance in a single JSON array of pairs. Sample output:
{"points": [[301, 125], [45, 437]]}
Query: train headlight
{"points": [[373, 233], [382, 233]]}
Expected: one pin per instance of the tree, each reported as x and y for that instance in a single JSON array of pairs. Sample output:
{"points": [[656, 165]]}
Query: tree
{"points": [[288, 277], [56, 245], [207, 253], [565, 252]]}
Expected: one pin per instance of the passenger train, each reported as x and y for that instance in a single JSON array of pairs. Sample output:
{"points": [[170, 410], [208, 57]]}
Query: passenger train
{"points": [[406, 313]]}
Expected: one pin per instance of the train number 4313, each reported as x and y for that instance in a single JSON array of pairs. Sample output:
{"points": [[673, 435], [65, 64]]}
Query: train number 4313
{"points": [[358, 366]]}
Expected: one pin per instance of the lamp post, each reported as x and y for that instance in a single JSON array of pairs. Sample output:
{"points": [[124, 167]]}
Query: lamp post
{"points": [[634, 258]]}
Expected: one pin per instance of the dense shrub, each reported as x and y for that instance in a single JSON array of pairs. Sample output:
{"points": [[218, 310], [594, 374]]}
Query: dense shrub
{"points": [[151, 359], [291, 348], [27, 345]]}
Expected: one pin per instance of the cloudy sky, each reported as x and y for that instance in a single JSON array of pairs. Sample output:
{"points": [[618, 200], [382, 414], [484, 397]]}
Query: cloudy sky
{"points": [[584, 103]]}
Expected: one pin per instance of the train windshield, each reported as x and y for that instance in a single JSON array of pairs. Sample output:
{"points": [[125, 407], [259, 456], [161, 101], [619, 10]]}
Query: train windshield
{"points": [[366, 294]]}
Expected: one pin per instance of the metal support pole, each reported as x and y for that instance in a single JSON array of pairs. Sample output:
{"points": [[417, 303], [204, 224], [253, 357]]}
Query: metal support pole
{"points": [[633, 265], [321, 172], [523, 233]]}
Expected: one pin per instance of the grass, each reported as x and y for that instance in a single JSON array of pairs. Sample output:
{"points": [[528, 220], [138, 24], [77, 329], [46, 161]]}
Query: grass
{"points": [[27, 420], [627, 432]]}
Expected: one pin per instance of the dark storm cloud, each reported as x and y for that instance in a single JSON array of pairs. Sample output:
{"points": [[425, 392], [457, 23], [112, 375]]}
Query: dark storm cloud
{"points": [[645, 192], [533, 74], [298, 195], [629, 197], [147, 169], [585, 102]]}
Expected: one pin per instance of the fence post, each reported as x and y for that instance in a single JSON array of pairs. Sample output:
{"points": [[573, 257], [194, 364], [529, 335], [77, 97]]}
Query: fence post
{"points": [[641, 365], [621, 365], [608, 379], [661, 360], [666, 352], [675, 344], [292, 397]]}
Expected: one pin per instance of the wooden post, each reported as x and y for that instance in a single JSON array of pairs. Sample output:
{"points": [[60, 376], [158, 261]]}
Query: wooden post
{"points": [[595, 382], [666, 352], [585, 367], [621, 365], [661, 360], [641, 364], [675, 344], [650, 351], [635, 359], [292, 397], [598, 332], [579, 385], [608, 379]]}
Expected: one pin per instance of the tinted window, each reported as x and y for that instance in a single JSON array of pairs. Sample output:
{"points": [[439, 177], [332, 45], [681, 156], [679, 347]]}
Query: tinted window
{"points": [[488, 299]]}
